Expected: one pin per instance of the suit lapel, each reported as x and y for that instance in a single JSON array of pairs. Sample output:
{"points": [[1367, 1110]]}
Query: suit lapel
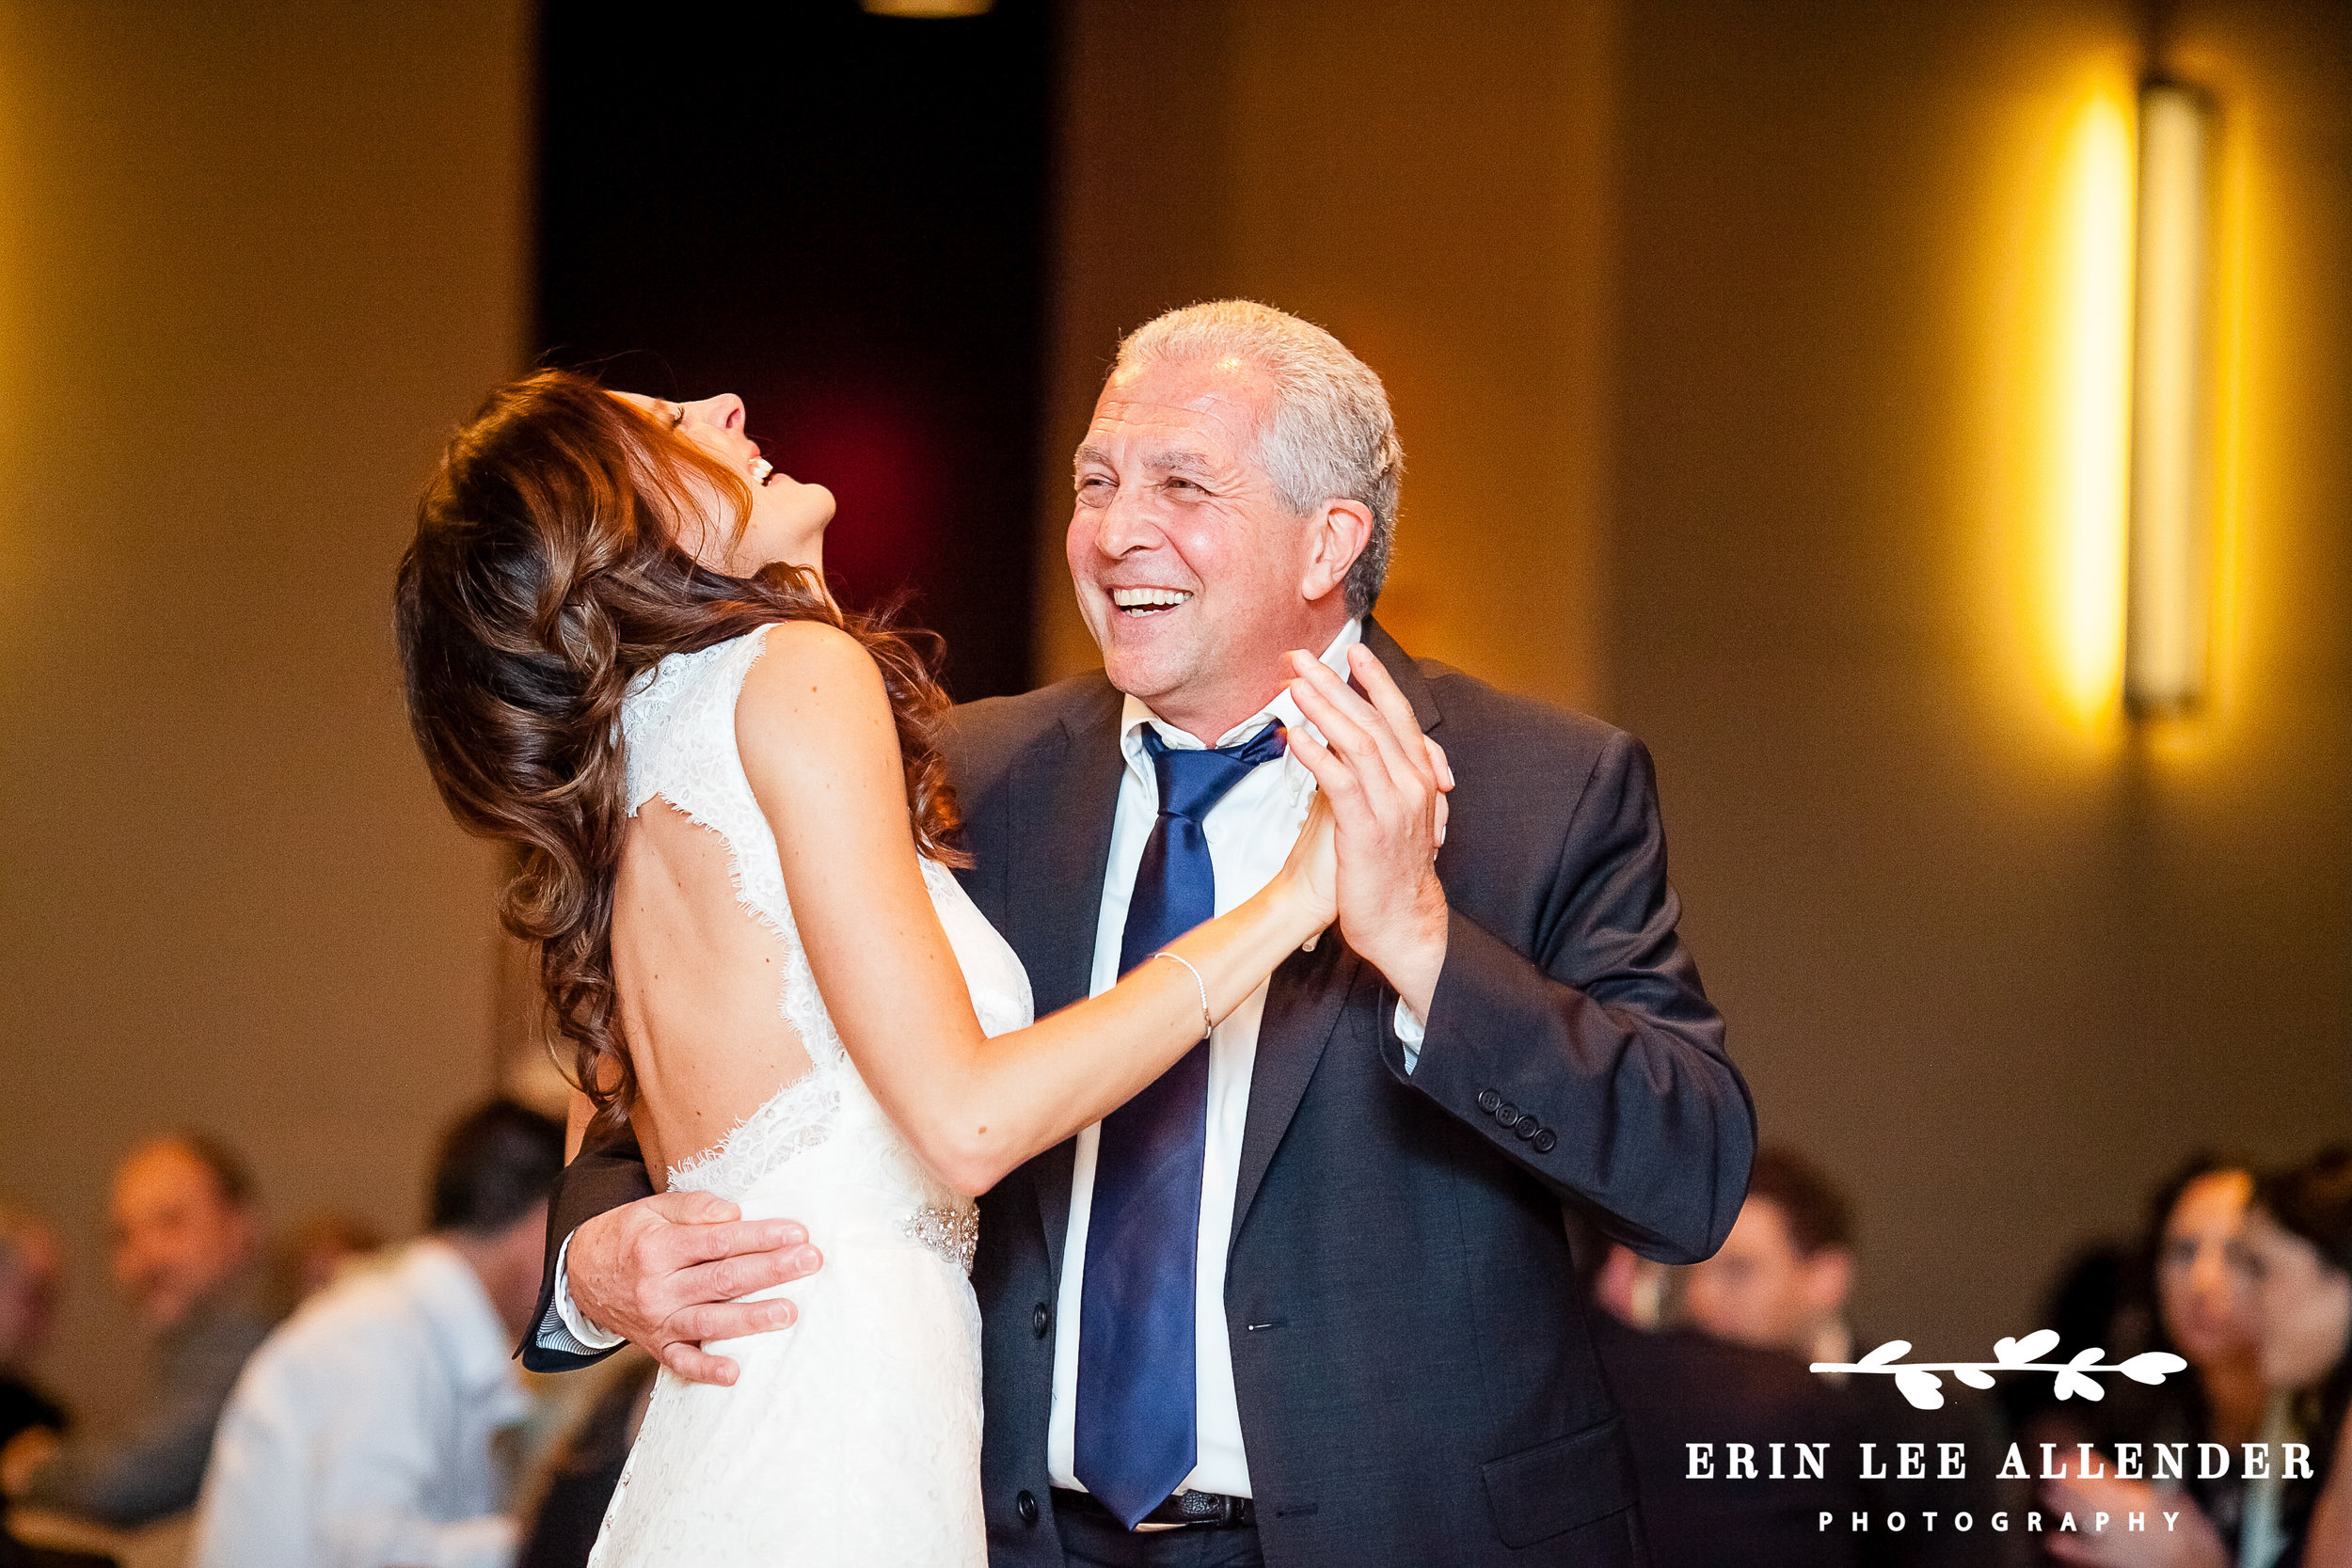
{"points": [[1303, 1007], [1066, 798]]}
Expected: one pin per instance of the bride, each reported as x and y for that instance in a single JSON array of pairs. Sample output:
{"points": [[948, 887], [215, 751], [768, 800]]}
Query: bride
{"points": [[732, 838]]}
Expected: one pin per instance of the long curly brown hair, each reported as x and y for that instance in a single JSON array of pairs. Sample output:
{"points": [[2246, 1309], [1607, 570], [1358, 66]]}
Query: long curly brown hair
{"points": [[546, 574]]}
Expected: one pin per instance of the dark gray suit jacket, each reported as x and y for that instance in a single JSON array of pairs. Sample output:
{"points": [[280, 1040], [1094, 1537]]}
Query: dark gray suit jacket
{"points": [[154, 1464], [1415, 1381]]}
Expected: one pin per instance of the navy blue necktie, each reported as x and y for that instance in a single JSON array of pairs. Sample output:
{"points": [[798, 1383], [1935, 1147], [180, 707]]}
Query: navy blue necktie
{"points": [[1137, 1419]]}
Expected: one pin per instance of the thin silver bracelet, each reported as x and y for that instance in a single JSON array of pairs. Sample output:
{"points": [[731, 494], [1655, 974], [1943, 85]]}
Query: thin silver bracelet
{"points": [[1208, 1026]]}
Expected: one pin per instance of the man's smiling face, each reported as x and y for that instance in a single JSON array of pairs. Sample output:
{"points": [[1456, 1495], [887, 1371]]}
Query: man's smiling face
{"points": [[1192, 575]]}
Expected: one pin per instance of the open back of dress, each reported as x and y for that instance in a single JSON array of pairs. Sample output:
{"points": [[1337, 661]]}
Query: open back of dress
{"points": [[852, 1437]]}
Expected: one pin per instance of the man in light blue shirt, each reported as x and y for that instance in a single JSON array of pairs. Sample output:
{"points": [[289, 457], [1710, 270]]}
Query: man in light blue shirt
{"points": [[365, 1432]]}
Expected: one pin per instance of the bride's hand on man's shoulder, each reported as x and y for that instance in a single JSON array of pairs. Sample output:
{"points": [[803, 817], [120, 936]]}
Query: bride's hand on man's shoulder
{"points": [[669, 1271]]}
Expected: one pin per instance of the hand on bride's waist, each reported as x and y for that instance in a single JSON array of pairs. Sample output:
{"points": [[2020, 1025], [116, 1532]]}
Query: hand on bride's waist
{"points": [[669, 1273]]}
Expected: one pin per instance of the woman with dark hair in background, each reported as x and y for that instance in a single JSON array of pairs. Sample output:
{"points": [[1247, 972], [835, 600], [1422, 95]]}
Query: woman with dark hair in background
{"points": [[2291, 1259], [622, 661], [2202, 1300], [2204, 1306]]}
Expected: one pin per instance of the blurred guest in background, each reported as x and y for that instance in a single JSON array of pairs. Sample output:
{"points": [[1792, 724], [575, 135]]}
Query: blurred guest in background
{"points": [[2191, 1268], [1674, 1388], [2299, 1248], [2101, 1296], [30, 1264], [15, 1553], [1780, 1279], [367, 1432], [2294, 1251], [308, 1258], [1780, 1283], [1631, 1289], [577, 1484], [184, 1235]]}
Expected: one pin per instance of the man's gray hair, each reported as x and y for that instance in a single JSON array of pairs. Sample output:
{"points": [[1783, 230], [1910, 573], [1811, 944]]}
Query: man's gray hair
{"points": [[1331, 435]]}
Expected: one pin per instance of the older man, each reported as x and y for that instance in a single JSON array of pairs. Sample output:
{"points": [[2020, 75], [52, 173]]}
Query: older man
{"points": [[184, 1233], [1371, 1348]]}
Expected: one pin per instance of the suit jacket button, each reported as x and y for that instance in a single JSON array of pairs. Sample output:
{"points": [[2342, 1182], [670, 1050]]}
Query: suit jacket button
{"points": [[1025, 1505], [1041, 1319], [1488, 1099], [1527, 1127], [1545, 1143], [1507, 1114]]}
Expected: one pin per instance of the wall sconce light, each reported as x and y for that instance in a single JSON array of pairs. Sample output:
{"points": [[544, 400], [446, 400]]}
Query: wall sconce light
{"points": [[926, 7], [2169, 626]]}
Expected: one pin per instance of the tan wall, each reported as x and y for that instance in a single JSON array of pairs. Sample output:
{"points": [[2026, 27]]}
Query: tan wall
{"points": [[1759, 372], [253, 266], [1995, 952]]}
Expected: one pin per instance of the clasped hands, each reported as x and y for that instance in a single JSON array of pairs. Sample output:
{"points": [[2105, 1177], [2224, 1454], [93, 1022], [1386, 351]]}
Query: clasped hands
{"points": [[669, 1271], [1386, 784]]}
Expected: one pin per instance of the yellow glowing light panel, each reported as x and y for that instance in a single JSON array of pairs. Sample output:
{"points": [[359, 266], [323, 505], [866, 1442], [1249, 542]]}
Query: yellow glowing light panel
{"points": [[2169, 627]]}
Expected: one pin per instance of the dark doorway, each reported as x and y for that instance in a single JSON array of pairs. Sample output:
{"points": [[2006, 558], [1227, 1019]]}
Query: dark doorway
{"points": [[841, 217]]}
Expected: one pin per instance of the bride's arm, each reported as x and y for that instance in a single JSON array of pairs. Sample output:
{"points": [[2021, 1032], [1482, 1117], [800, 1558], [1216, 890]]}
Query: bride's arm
{"points": [[820, 748]]}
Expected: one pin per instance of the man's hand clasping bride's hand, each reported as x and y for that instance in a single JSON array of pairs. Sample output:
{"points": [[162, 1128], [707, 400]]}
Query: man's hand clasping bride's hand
{"points": [[1386, 784]]}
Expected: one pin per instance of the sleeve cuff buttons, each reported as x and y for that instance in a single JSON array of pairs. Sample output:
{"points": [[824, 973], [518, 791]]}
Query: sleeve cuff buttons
{"points": [[1522, 1124]]}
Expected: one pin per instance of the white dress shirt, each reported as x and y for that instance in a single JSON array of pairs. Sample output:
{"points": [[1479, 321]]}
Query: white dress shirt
{"points": [[1250, 833], [361, 1434]]}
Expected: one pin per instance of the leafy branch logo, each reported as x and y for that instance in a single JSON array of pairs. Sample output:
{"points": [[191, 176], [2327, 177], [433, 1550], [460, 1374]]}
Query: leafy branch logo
{"points": [[1924, 1390]]}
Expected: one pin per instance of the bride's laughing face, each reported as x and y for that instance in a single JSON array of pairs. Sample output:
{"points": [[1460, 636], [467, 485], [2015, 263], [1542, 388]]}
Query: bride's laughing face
{"points": [[788, 519]]}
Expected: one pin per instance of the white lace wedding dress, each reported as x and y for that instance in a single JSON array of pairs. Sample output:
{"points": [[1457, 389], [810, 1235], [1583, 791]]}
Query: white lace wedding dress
{"points": [[852, 1437]]}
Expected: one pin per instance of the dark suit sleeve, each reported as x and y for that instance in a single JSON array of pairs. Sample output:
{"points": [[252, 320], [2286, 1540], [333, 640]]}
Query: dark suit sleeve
{"points": [[605, 1176], [1602, 1035]]}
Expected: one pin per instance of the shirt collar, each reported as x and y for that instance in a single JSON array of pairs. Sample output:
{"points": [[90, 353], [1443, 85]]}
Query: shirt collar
{"points": [[1136, 713]]}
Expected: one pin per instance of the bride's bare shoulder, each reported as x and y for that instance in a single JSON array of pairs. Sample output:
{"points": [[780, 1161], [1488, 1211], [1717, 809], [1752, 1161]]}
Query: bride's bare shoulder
{"points": [[812, 685]]}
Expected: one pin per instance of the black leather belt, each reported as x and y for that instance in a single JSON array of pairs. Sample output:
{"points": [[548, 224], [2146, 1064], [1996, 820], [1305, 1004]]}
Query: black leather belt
{"points": [[1213, 1510]]}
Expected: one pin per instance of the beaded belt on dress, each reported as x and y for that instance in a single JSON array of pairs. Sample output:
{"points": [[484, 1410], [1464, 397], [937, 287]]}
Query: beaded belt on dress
{"points": [[952, 1231]]}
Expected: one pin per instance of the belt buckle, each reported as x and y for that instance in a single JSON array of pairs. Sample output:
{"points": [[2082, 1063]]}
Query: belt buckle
{"points": [[1171, 1501], [1211, 1509]]}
